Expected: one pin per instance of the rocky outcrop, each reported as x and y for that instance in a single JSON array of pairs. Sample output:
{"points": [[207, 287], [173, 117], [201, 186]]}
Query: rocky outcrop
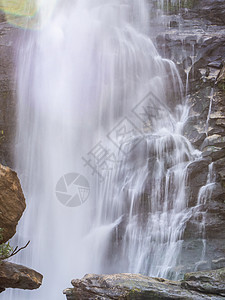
{"points": [[12, 202], [17, 276], [195, 286], [12, 205]]}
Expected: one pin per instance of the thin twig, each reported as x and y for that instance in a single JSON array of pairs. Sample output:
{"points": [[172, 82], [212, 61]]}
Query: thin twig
{"points": [[15, 251]]}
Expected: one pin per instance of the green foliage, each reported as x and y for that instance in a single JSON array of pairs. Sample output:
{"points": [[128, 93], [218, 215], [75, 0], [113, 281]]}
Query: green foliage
{"points": [[2, 136], [5, 248], [6, 251], [173, 7]]}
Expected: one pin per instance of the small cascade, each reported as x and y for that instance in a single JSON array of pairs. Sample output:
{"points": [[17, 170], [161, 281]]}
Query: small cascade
{"points": [[193, 57], [204, 195], [148, 197], [189, 63], [187, 80], [209, 112]]}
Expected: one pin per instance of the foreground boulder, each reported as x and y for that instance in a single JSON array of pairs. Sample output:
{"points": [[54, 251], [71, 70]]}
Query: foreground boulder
{"points": [[17, 276], [196, 286], [12, 202]]}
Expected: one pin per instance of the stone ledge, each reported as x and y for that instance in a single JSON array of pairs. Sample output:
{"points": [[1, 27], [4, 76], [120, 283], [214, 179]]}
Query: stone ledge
{"points": [[17, 276]]}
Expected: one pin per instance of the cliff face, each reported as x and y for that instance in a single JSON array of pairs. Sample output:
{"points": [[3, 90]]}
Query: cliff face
{"points": [[195, 40], [8, 39]]}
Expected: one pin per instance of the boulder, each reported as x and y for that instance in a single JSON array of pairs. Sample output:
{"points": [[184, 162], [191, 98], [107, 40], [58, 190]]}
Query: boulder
{"points": [[12, 202], [17, 276], [137, 286]]}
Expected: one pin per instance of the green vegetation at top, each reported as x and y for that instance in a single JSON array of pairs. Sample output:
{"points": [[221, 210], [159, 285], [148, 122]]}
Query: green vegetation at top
{"points": [[173, 7]]}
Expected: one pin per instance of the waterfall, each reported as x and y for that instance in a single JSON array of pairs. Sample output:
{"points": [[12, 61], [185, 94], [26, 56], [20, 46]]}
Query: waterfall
{"points": [[145, 210], [96, 100]]}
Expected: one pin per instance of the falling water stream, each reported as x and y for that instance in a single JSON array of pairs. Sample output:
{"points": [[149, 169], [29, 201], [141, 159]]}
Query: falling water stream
{"points": [[204, 195], [90, 78]]}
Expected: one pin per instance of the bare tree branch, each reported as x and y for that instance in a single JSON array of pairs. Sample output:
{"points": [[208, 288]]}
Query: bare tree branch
{"points": [[15, 251]]}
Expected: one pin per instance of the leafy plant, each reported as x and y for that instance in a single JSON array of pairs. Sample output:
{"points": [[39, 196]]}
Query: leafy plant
{"points": [[2, 136], [6, 251], [5, 248]]}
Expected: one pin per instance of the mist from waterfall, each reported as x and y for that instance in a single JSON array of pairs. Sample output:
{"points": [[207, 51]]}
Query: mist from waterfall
{"points": [[90, 79]]}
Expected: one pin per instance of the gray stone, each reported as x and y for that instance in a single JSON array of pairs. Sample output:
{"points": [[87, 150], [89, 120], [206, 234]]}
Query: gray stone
{"points": [[214, 140], [212, 282], [215, 64], [202, 265], [136, 286], [197, 173], [218, 263]]}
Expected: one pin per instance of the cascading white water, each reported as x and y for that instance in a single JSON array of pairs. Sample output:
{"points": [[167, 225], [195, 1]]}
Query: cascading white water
{"points": [[87, 69], [145, 211], [210, 110]]}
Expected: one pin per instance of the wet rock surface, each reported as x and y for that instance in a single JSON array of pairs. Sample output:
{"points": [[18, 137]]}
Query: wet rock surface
{"points": [[17, 276], [12, 202], [199, 285]]}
